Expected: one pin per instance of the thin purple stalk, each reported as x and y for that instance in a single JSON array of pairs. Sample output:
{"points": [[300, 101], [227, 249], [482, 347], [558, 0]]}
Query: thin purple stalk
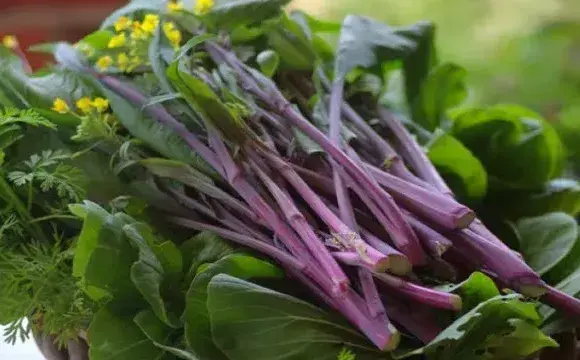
{"points": [[415, 318], [563, 301], [234, 222], [431, 297], [435, 207], [298, 222], [244, 240], [413, 153]]}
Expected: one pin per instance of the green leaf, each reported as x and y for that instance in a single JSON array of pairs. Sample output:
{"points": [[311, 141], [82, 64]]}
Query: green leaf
{"points": [[196, 318], [443, 89], [463, 171], [291, 43], [517, 147], [230, 14], [418, 64], [115, 337], [268, 61], [160, 334], [252, 322], [502, 327], [103, 257], [367, 43], [476, 289], [547, 239], [158, 137], [205, 247], [192, 43], [567, 266], [132, 7], [96, 41], [206, 102], [148, 274]]}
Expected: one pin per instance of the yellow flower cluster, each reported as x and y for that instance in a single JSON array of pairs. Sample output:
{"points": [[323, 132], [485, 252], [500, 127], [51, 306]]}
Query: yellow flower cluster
{"points": [[85, 105], [202, 7], [172, 33], [10, 41]]}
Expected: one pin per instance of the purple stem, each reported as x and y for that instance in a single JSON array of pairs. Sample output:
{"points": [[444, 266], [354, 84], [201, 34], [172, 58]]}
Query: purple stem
{"points": [[431, 297], [435, 207], [431, 239], [415, 318], [561, 300], [413, 152], [398, 263], [244, 240], [298, 222]]}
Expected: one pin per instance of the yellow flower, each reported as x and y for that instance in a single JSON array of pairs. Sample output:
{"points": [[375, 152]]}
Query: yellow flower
{"points": [[60, 106], [101, 104], [150, 23], [122, 23], [10, 41], [202, 7], [172, 34], [104, 62], [174, 6], [123, 62], [117, 41], [136, 61], [84, 104], [137, 32]]}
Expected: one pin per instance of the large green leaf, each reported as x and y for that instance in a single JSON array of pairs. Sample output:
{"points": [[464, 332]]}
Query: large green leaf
{"points": [[367, 43], [292, 44], [474, 290], [230, 14], [116, 337], [196, 318], [462, 171], [501, 328], [442, 89], [517, 147], [547, 239], [157, 136], [103, 257], [148, 273], [252, 322]]}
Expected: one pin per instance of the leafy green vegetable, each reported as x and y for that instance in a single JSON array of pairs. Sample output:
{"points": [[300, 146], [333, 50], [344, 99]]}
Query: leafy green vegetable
{"points": [[547, 239], [245, 317], [198, 326], [463, 171], [268, 61], [229, 14]]}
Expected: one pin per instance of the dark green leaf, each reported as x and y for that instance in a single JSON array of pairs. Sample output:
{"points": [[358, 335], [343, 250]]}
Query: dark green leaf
{"points": [[252, 322], [160, 334], [198, 329], [115, 337], [292, 45], [157, 136], [205, 247], [547, 239], [367, 43], [148, 273], [463, 171], [517, 147], [229, 14], [502, 327], [567, 266], [268, 61], [443, 89]]}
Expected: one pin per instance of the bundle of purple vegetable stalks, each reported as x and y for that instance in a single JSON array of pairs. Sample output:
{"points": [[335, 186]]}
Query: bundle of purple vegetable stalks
{"points": [[355, 223]]}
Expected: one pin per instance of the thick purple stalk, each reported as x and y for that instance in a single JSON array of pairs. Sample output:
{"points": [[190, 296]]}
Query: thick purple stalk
{"points": [[398, 263], [505, 265], [399, 229], [427, 296], [431, 239], [244, 240], [415, 318], [373, 262], [162, 116], [371, 294], [298, 222], [413, 153], [563, 301], [435, 207]]}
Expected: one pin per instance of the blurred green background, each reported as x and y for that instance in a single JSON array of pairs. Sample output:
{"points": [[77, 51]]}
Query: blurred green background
{"points": [[518, 51]]}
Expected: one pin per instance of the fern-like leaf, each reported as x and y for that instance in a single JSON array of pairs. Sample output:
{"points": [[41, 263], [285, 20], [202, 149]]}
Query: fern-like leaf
{"points": [[28, 117], [346, 354]]}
